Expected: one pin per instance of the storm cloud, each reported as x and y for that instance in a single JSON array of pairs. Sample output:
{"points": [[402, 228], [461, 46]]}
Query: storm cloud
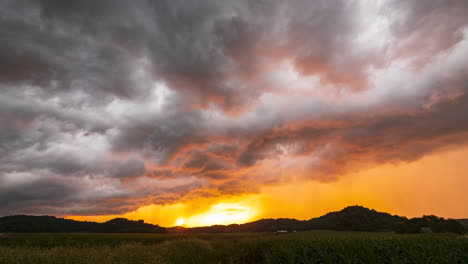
{"points": [[107, 106]]}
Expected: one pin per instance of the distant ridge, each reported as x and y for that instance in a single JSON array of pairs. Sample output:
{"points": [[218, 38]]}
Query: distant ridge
{"points": [[355, 218], [352, 218], [52, 224]]}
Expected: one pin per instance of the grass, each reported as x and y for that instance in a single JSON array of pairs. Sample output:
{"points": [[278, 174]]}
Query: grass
{"points": [[304, 247]]}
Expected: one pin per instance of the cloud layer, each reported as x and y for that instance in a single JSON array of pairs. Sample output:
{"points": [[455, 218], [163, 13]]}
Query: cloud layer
{"points": [[106, 106]]}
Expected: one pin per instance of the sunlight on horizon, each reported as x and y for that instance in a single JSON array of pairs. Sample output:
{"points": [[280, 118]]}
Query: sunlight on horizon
{"points": [[222, 214], [367, 188], [180, 222]]}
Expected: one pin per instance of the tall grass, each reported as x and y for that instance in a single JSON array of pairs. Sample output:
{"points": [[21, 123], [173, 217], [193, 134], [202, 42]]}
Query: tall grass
{"points": [[308, 247]]}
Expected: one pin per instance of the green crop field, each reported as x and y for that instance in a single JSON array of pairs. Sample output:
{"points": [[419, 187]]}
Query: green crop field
{"points": [[304, 247]]}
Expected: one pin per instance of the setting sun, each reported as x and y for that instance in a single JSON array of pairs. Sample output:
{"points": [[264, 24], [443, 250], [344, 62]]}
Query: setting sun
{"points": [[180, 222], [223, 214]]}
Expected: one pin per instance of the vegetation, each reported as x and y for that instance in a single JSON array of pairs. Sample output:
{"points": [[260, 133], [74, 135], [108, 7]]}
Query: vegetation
{"points": [[302, 247], [431, 223], [353, 218], [51, 224]]}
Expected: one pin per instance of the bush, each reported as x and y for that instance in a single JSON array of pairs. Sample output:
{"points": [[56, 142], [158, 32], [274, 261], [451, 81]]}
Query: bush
{"points": [[454, 226], [436, 224]]}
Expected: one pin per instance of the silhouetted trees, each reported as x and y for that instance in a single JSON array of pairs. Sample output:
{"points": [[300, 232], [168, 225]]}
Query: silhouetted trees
{"points": [[431, 222], [353, 218], [51, 224]]}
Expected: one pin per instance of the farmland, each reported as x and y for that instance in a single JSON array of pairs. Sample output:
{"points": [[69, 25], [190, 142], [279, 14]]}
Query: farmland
{"points": [[301, 247]]}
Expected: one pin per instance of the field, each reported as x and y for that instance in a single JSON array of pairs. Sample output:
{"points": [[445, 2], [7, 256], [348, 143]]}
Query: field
{"points": [[304, 247]]}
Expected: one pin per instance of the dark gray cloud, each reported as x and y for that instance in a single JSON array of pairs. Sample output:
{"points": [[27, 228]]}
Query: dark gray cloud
{"points": [[106, 106], [132, 167], [39, 196], [205, 48]]}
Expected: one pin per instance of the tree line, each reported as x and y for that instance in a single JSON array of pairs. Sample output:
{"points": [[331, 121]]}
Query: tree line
{"points": [[353, 218]]}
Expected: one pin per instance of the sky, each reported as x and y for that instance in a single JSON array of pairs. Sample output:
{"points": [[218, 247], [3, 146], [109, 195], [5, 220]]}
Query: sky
{"points": [[214, 112]]}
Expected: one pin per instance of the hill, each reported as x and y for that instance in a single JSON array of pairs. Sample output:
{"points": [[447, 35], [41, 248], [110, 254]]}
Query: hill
{"points": [[355, 218], [352, 218], [262, 225], [51, 224]]}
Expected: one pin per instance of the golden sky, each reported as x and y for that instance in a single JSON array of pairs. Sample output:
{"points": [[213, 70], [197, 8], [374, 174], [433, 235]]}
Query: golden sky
{"points": [[435, 184]]}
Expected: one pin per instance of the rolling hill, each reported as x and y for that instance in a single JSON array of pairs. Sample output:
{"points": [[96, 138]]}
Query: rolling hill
{"points": [[352, 218]]}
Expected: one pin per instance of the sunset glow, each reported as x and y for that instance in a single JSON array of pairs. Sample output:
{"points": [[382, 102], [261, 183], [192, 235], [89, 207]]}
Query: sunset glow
{"points": [[223, 214], [180, 222], [195, 113]]}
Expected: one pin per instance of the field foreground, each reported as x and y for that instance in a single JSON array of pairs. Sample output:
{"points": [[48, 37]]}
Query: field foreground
{"points": [[303, 247]]}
